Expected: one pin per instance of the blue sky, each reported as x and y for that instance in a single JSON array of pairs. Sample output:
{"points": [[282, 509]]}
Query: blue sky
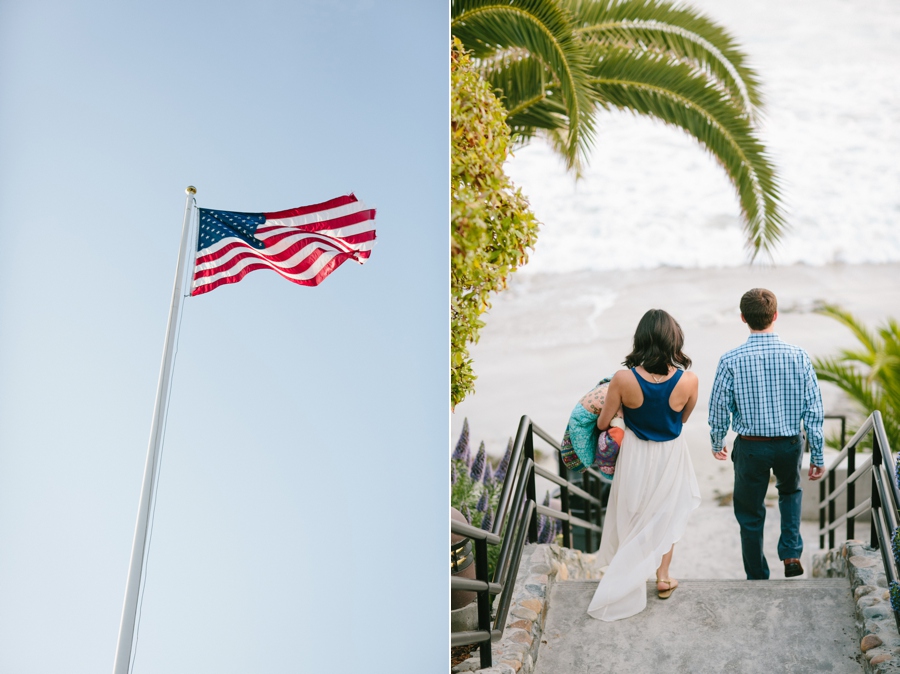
{"points": [[301, 515]]}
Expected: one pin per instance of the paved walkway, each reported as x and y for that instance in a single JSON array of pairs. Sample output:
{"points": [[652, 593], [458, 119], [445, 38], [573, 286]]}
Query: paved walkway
{"points": [[707, 626], [716, 621]]}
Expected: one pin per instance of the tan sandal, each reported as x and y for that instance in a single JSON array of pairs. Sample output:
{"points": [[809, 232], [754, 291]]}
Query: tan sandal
{"points": [[665, 594]]}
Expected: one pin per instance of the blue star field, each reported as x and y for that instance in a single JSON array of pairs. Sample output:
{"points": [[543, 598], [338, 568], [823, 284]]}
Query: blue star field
{"points": [[218, 225]]}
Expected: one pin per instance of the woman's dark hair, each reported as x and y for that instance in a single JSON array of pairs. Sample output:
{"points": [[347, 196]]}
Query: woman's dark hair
{"points": [[657, 344]]}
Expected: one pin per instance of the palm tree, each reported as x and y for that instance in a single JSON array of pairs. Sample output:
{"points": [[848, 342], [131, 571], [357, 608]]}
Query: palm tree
{"points": [[555, 64], [529, 52], [870, 375]]}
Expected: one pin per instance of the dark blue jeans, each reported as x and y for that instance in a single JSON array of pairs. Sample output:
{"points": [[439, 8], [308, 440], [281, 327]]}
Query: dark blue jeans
{"points": [[753, 459]]}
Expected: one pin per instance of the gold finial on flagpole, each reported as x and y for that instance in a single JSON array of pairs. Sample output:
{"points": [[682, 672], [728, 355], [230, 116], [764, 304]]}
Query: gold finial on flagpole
{"points": [[190, 189]]}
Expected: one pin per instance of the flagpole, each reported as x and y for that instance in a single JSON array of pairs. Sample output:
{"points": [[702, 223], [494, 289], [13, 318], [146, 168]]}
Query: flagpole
{"points": [[151, 469]]}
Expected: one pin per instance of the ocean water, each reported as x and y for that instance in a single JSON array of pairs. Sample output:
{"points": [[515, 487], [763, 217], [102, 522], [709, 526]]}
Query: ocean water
{"points": [[653, 197]]}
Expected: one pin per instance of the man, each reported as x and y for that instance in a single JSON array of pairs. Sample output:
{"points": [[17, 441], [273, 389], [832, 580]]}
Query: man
{"points": [[765, 388]]}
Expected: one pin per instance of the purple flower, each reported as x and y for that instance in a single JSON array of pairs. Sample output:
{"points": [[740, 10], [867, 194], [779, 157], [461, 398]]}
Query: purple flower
{"points": [[895, 596], [500, 475], [482, 502], [549, 530], [478, 464], [462, 445], [540, 528], [488, 520], [464, 509], [895, 544], [488, 477], [453, 473]]}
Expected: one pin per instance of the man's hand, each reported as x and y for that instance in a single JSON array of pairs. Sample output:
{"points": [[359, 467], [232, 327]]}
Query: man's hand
{"points": [[815, 472], [722, 454]]}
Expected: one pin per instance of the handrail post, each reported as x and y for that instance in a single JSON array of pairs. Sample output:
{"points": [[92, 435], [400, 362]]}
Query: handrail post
{"points": [[530, 491], [565, 504], [566, 507], [876, 496], [484, 601], [851, 487], [831, 513], [601, 511], [822, 514], [587, 483]]}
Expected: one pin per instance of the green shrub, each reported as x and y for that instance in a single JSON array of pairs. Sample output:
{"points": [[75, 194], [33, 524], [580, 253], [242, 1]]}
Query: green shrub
{"points": [[491, 225]]}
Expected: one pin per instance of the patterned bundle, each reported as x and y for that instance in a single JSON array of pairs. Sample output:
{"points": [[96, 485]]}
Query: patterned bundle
{"points": [[583, 444]]}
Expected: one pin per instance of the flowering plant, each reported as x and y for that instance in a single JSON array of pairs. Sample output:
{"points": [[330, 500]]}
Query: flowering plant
{"points": [[475, 486]]}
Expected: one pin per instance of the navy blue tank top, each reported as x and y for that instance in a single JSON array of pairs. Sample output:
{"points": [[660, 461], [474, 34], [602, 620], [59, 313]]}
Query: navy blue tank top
{"points": [[654, 419]]}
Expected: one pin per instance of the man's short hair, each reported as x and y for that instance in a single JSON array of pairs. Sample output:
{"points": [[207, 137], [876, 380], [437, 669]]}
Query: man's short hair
{"points": [[758, 307]]}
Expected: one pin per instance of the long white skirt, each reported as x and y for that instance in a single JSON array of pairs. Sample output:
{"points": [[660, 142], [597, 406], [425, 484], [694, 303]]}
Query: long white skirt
{"points": [[652, 497]]}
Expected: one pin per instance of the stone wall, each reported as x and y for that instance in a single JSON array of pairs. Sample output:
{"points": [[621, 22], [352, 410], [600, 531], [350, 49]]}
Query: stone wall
{"points": [[879, 638], [541, 566]]}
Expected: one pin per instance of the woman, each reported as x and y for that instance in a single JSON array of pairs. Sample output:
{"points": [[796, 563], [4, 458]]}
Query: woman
{"points": [[655, 488]]}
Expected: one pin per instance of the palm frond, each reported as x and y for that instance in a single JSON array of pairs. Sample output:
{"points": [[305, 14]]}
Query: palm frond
{"points": [[534, 103], [849, 380], [883, 367], [544, 29], [677, 94], [863, 334], [680, 32], [520, 82], [557, 141], [547, 116], [869, 376], [518, 79]]}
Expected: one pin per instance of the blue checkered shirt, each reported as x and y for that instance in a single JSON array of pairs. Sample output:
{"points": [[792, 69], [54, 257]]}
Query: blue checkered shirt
{"points": [[765, 388]]}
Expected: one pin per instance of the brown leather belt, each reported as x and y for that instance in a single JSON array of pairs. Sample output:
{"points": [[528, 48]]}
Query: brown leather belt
{"points": [[760, 438]]}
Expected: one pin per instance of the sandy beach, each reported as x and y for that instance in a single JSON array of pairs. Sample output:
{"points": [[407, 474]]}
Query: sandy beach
{"points": [[550, 337]]}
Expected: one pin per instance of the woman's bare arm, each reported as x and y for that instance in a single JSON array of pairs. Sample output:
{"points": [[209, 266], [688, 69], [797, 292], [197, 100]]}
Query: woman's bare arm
{"points": [[612, 404], [693, 382]]}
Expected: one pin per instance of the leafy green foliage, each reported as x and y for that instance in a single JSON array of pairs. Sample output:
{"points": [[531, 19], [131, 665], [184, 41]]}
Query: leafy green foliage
{"points": [[555, 63], [870, 375], [491, 224]]}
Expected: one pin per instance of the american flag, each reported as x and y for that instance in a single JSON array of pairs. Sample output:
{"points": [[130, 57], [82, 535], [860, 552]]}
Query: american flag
{"points": [[302, 244]]}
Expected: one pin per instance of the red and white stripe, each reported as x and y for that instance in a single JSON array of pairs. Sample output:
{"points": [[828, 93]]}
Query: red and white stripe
{"points": [[303, 244]]}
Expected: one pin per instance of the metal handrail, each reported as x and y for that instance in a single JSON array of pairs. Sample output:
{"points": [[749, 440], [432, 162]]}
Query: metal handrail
{"points": [[562, 482], [884, 503], [593, 503], [516, 518]]}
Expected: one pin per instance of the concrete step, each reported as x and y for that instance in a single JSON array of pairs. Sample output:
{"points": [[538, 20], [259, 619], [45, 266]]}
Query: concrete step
{"points": [[715, 626]]}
